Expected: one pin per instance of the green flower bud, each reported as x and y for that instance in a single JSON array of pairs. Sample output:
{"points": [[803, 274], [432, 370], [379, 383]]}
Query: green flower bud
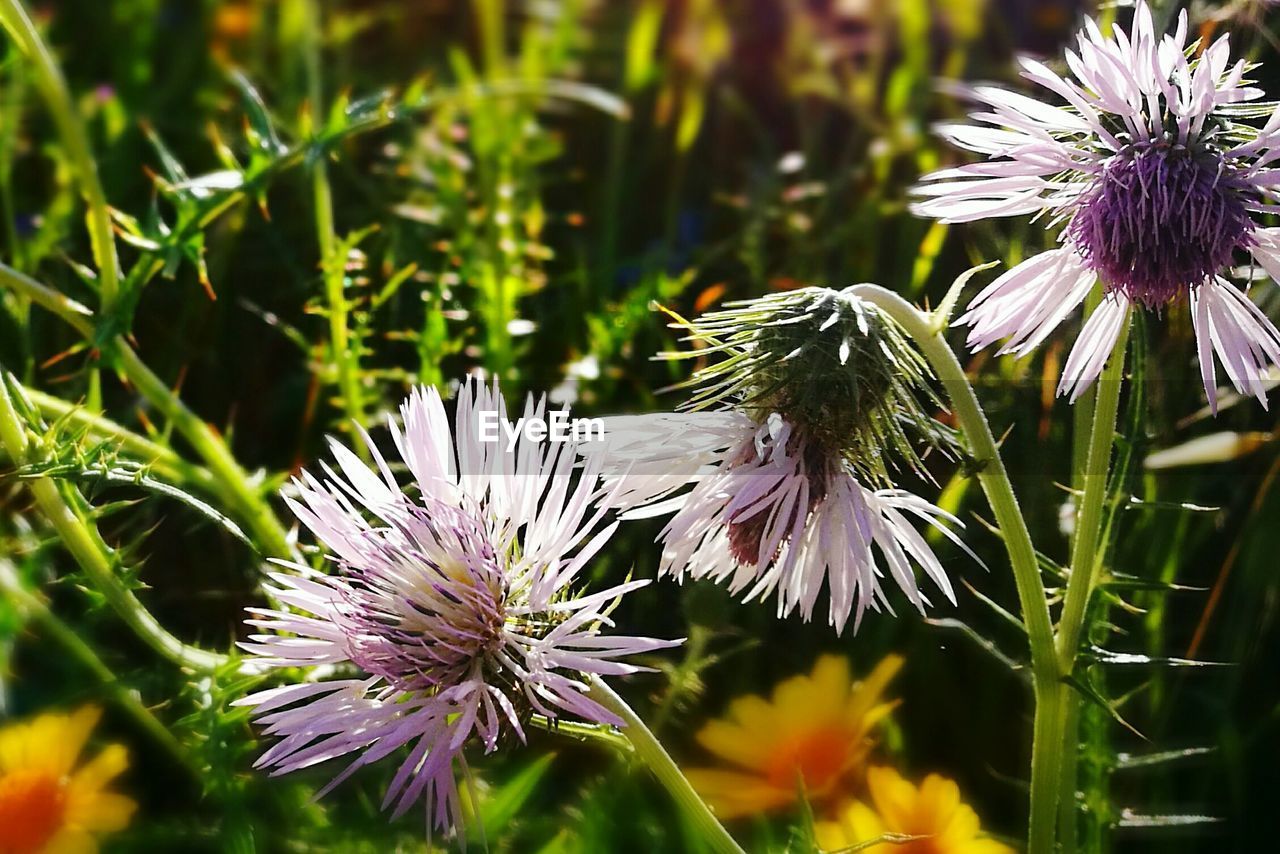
{"points": [[834, 365]]}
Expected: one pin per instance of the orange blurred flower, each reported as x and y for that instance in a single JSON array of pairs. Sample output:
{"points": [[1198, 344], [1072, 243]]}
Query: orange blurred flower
{"points": [[816, 729], [47, 804]]}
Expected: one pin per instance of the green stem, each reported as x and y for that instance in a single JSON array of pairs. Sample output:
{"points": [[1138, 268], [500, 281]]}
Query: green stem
{"points": [[11, 110], [74, 314], [244, 498], [345, 357], [651, 752], [1088, 526], [1092, 470], [1081, 430], [161, 459], [75, 142], [1046, 768], [35, 605], [1082, 422], [602, 733], [1068, 808], [1046, 754], [62, 504]]}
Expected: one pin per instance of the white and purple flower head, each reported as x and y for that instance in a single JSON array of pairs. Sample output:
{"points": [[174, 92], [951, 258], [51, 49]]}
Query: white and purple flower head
{"points": [[1158, 177], [452, 615], [792, 489]]}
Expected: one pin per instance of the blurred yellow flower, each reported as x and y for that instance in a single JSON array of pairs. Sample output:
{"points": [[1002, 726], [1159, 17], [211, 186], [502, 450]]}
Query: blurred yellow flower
{"points": [[47, 805], [932, 812], [816, 729]]}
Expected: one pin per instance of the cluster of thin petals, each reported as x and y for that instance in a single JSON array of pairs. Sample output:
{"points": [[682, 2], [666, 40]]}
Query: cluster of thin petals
{"points": [[454, 612], [1148, 156], [771, 514]]}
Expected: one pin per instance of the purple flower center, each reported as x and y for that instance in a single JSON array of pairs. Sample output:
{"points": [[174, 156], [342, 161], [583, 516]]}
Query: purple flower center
{"points": [[1162, 220], [433, 606]]}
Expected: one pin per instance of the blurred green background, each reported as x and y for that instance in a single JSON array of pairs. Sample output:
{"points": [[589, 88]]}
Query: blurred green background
{"points": [[512, 184]]}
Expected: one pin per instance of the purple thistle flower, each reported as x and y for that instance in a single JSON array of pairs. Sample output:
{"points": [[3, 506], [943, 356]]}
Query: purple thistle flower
{"points": [[1158, 177], [792, 486], [452, 615]]}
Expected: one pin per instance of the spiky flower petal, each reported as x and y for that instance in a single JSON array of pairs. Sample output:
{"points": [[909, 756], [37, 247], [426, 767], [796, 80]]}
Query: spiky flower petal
{"points": [[452, 615], [1153, 166], [792, 486]]}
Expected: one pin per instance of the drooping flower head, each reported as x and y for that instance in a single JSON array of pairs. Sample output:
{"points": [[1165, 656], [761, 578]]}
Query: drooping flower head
{"points": [[928, 819], [1151, 161], [816, 729], [834, 365], [49, 802], [815, 406], [453, 614]]}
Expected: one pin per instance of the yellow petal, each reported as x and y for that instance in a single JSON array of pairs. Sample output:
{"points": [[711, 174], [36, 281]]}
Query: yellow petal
{"points": [[105, 812], [735, 744], [105, 767], [858, 823], [50, 743], [732, 795], [894, 797], [964, 826], [756, 716], [11, 747], [867, 694], [937, 803], [984, 846], [71, 840], [27, 745], [865, 723], [830, 835], [74, 733], [863, 822], [831, 682], [792, 698]]}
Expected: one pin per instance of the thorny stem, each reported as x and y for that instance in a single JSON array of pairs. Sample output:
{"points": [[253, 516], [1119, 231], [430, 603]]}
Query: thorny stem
{"points": [[1046, 752], [79, 317], [651, 752], [1084, 553], [1068, 809], [75, 143], [332, 268], [236, 488], [62, 504], [1091, 480], [1081, 430], [160, 458], [253, 509], [151, 264]]}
